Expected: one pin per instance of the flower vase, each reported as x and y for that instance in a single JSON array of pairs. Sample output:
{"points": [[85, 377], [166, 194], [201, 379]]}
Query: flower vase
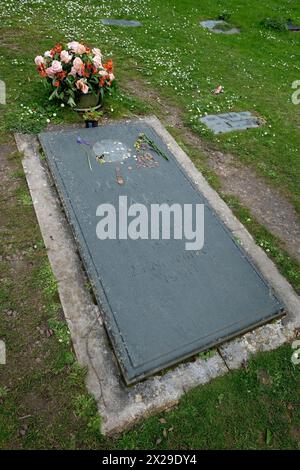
{"points": [[88, 101]]}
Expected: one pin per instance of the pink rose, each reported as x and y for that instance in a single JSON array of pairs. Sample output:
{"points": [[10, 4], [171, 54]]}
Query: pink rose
{"points": [[50, 72], [76, 47], [73, 46], [55, 68], [48, 54], [103, 73], [111, 77], [81, 49], [97, 62], [39, 60], [78, 66], [65, 57], [73, 72], [82, 86]]}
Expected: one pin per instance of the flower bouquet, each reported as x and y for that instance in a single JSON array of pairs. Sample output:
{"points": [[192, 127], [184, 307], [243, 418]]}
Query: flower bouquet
{"points": [[76, 73]]}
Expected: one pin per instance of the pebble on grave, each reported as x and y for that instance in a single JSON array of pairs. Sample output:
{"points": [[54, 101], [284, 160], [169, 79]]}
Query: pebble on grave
{"points": [[113, 22], [228, 122], [212, 25]]}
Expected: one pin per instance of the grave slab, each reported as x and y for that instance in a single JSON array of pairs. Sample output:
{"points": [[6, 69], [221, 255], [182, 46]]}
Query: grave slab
{"points": [[122, 406], [126, 23], [229, 122], [212, 25], [160, 303]]}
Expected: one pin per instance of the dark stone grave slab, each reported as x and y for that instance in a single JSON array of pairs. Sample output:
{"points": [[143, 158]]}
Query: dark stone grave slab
{"points": [[160, 303], [127, 23]]}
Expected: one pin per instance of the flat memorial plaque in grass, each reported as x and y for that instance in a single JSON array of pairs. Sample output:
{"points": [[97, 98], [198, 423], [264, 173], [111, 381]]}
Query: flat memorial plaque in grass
{"points": [[230, 122], [160, 302], [219, 27], [293, 27], [116, 22]]}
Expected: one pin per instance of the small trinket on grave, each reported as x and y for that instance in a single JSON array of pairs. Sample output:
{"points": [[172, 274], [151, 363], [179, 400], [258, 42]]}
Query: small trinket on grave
{"points": [[144, 141], [100, 158], [119, 177], [81, 141], [146, 161]]}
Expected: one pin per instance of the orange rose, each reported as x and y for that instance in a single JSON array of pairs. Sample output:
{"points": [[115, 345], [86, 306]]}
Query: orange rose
{"points": [[109, 66], [42, 73], [56, 50], [102, 81], [42, 70], [61, 75]]}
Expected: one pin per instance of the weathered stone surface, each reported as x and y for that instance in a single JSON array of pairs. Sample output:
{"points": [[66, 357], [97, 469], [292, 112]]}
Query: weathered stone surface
{"points": [[212, 25], [127, 23], [228, 122], [265, 338], [149, 331]]}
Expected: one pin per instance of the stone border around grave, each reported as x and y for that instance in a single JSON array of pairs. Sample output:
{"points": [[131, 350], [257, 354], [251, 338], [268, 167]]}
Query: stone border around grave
{"points": [[119, 406]]}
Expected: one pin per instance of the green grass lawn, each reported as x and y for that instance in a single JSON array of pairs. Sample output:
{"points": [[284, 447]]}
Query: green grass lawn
{"points": [[181, 60], [43, 401]]}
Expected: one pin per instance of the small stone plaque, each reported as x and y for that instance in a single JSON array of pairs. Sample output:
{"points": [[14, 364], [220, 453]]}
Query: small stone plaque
{"points": [[128, 23], [292, 27], [223, 28], [228, 122]]}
